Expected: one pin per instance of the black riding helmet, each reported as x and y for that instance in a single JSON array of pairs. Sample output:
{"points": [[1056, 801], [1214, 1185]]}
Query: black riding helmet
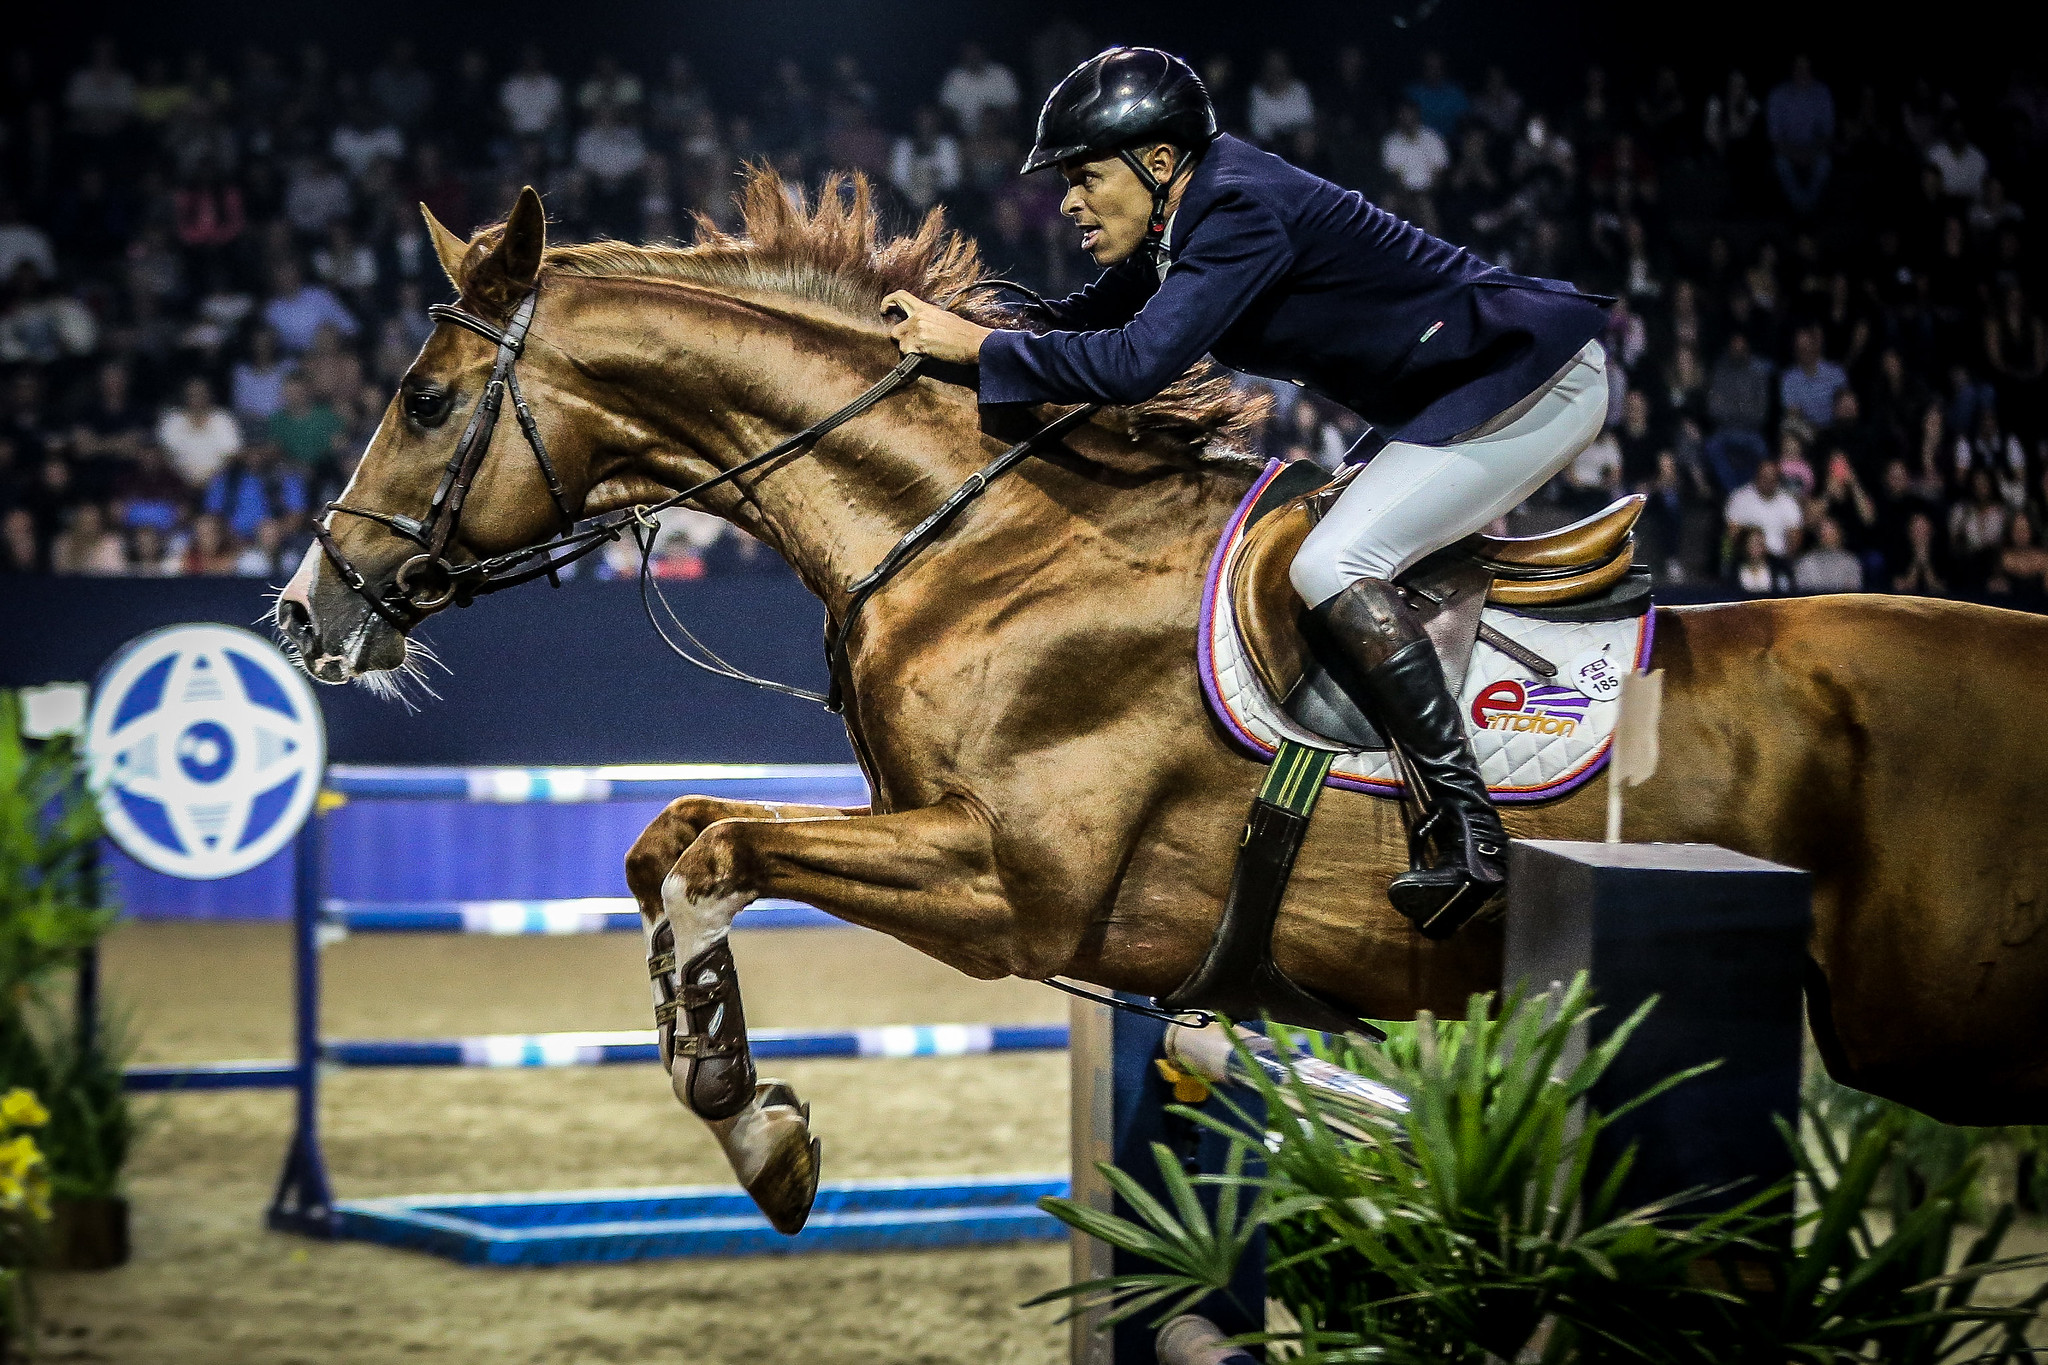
{"points": [[1120, 99]]}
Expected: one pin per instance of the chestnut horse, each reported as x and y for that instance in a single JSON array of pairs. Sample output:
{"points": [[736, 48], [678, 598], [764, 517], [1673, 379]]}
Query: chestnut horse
{"points": [[1050, 795]]}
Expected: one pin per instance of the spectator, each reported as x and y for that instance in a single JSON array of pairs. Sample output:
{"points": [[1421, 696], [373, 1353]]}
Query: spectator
{"points": [[1638, 443], [114, 426], [100, 97], [1058, 48], [531, 97], [1961, 165], [1807, 390], [610, 150], [1843, 500], [254, 488], [1828, 566], [345, 265], [297, 310], [150, 493], [1919, 573], [1499, 105], [1279, 105], [1675, 493], [852, 142], [1756, 570], [41, 328], [926, 164], [198, 435], [316, 194], [1801, 119], [1415, 156], [87, 545], [263, 557], [209, 553], [2016, 348], [20, 549], [363, 138], [1993, 213], [2021, 575], [1441, 101], [976, 87], [149, 555], [257, 381], [23, 242], [302, 428], [1738, 405], [401, 92], [609, 86], [1593, 477], [1730, 121], [1976, 530], [1767, 505]]}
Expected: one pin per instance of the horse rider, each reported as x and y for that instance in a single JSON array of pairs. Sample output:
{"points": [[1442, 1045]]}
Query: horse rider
{"points": [[1482, 383]]}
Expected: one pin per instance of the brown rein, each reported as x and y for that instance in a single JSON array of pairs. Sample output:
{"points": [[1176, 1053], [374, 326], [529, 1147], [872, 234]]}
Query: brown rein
{"points": [[429, 581]]}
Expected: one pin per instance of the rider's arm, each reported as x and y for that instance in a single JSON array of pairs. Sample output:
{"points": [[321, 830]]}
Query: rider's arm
{"points": [[1111, 299], [1233, 255]]}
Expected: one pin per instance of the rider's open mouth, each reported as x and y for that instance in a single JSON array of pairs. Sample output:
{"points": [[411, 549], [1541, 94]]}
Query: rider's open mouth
{"points": [[1089, 237]]}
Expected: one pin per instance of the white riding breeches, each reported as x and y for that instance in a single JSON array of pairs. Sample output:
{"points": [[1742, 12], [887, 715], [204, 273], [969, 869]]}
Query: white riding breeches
{"points": [[1410, 500]]}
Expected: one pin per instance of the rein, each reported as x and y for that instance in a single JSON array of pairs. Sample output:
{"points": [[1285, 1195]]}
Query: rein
{"points": [[429, 580]]}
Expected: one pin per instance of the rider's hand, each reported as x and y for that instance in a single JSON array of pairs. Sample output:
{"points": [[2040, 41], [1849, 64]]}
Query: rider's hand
{"points": [[927, 329]]}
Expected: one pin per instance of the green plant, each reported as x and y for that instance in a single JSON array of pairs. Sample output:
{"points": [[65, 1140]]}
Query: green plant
{"points": [[53, 907], [52, 901], [1483, 1228]]}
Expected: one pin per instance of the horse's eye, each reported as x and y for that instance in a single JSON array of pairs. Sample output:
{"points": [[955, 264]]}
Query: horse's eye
{"points": [[427, 407]]}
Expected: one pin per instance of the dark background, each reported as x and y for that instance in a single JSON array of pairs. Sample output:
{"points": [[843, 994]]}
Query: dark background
{"points": [[906, 45]]}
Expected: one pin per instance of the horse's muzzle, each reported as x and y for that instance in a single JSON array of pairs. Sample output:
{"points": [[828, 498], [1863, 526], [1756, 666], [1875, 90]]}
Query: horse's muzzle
{"points": [[337, 637]]}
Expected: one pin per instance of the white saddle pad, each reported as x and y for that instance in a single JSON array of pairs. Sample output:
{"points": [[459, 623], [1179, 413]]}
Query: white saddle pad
{"points": [[1536, 738]]}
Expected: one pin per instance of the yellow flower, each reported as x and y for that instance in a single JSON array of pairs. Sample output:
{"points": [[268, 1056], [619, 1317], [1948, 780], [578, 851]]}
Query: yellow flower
{"points": [[21, 1109], [18, 1156]]}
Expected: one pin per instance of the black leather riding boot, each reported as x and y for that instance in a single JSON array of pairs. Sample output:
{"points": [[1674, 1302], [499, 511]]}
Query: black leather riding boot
{"points": [[1404, 692]]}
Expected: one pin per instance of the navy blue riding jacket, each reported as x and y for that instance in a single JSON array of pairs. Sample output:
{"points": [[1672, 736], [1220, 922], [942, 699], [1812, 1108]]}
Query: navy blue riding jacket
{"points": [[1280, 273]]}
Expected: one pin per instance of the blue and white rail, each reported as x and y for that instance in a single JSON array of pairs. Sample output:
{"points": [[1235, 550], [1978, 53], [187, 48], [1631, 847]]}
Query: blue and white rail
{"points": [[513, 918], [600, 1226]]}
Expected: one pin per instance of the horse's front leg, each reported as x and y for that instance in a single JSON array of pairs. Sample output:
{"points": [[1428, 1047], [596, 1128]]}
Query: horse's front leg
{"points": [[894, 872]]}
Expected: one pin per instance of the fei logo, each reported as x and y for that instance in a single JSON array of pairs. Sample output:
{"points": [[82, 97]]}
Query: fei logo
{"points": [[206, 749], [1544, 709]]}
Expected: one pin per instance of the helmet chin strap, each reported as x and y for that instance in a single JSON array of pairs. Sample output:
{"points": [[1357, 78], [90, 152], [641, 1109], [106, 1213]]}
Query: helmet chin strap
{"points": [[1155, 231]]}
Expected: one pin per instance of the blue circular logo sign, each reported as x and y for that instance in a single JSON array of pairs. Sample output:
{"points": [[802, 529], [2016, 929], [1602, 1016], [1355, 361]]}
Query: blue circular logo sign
{"points": [[206, 750]]}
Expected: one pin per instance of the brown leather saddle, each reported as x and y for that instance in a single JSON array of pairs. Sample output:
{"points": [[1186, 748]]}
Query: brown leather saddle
{"points": [[1578, 572]]}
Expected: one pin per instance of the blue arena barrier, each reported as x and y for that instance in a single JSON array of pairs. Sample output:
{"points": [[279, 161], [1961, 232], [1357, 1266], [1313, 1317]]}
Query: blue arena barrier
{"points": [[629, 1225]]}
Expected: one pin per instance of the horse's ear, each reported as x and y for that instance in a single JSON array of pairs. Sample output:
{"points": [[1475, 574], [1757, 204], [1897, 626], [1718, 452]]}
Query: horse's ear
{"points": [[507, 272], [450, 248]]}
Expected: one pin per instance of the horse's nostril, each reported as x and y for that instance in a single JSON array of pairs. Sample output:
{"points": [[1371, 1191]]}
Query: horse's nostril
{"points": [[293, 619]]}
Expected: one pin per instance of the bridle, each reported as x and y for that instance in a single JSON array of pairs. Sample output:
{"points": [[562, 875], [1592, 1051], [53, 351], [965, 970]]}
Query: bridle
{"points": [[429, 580]]}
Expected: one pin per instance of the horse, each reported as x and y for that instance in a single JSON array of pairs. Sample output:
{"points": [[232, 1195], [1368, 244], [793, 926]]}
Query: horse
{"points": [[1049, 795]]}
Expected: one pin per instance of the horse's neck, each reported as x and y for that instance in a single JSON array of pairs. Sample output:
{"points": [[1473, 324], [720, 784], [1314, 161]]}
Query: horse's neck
{"points": [[735, 379]]}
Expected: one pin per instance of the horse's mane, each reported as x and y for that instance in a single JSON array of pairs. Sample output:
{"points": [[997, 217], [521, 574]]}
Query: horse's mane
{"points": [[835, 252]]}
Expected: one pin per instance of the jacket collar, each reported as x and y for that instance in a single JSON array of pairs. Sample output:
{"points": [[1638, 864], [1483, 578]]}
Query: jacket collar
{"points": [[1202, 191]]}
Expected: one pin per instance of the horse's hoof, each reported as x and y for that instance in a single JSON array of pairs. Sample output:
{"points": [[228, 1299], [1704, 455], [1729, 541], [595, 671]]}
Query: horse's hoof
{"points": [[789, 1183], [771, 1149]]}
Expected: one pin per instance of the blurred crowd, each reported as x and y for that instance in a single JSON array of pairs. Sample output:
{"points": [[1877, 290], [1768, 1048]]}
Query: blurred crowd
{"points": [[1828, 352]]}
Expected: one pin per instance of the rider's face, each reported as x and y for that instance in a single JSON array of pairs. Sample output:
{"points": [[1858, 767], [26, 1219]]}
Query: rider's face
{"points": [[1110, 205]]}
